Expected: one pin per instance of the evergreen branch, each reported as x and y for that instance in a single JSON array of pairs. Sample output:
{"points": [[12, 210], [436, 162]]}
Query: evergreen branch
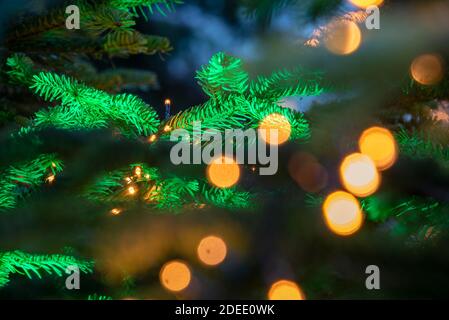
{"points": [[121, 44], [16, 180], [286, 84], [98, 297], [136, 6], [21, 69], [28, 264]]}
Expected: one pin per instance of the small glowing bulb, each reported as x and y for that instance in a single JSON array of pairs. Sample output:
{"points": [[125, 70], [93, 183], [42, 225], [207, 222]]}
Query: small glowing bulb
{"points": [[212, 250], [342, 213], [152, 138], [132, 190], [379, 144], [138, 171], [50, 178], [147, 176], [116, 211], [366, 3], [223, 172], [167, 101], [359, 175], [427, 69], [285, 290], [167, 128], [343, 38], [53, 165], [128, 180], [275, 129], [175, 276]]}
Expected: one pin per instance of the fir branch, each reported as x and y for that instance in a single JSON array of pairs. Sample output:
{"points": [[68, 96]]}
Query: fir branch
{"points": [[98, 297], [122, 44], [21, 69], [15, 181], [28, 265], [136, 6]]}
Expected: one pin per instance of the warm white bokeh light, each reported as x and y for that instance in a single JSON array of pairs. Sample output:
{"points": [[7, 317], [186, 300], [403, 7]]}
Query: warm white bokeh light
{"points": [[212, 250], [359, 175], [272, 124], [342, 213], [285, 290], [380, 145], [175, 276], [427, 69], [366, 3], [343, 37], [223, 172]]}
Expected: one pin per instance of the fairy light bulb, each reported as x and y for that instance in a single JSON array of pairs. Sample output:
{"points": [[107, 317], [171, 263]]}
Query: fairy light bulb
{"points": [[380, 145], [359, 175], [175, 276], [167, 128], [116, 211], [152, 138], [343, 38], [50, 178], [132, 190], [212, 250], [285, 290], [273, 124], [223, 172], [342, 213], [138, 171]]}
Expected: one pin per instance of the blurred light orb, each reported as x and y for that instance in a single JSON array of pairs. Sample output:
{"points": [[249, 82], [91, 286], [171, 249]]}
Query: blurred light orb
{"points": [[366, 3], [116, 211], [359, 175], [132, 190], [212, 250], [285, 290], [272, 124], [308, 173], [342, 213], [175, 276], [380, 145], [223, 172], [427, 69], [343, 37]]}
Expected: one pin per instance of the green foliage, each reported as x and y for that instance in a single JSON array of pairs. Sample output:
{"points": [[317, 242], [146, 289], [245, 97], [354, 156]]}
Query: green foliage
{"points": [[137, 6], [237, 103], [20, 69], [17, 180], [417, 145], [26, 264], [98, 297], [83, 107], [122, 44]]}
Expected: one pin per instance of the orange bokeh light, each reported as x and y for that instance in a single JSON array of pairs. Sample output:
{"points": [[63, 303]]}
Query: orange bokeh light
{"points": [[343, 37], [342, 213], [285, 290], [273, 124], [427, 69], [379, 144], [366, 3], [212, 250], [223, 172], [359, 175], [175, 276]]}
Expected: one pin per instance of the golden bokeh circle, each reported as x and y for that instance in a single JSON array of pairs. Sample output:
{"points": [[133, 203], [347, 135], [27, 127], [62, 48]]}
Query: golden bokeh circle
{"points": [[380, 145], [175, 275], [285, 290], [359, 175], [342, 213], [212, 250], [343, 37], [275, 123], [427, 69], [223, 172]]}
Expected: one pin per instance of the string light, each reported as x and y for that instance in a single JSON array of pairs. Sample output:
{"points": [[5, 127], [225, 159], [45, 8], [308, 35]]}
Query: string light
{"points": [[272, 124], [167, 128], [132, 190], [128, 180], [212, 250], [379, 144], [285, 290], [427, 69], [50, 178], [223, 172], [167, 103], [138, 171], [175, 276], [116, 211], [152, 138], [359, 175], [344, 37], [366, 3], [342, 213]]}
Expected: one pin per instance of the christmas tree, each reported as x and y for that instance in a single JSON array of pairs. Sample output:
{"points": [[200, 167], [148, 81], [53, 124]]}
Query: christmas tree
{"points": [[88, 181]]}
